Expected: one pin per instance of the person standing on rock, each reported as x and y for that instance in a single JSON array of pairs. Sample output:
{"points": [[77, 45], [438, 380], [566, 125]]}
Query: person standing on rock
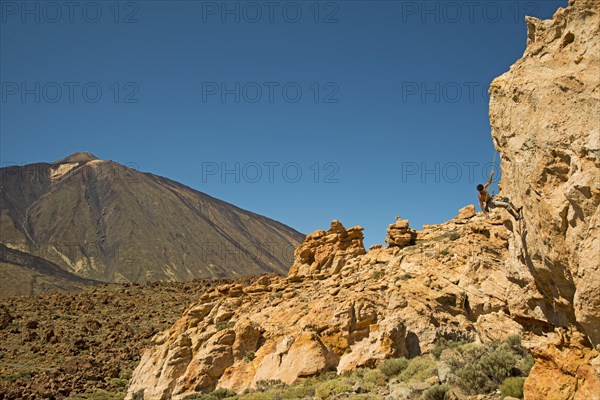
{"points": [[487, 202]]}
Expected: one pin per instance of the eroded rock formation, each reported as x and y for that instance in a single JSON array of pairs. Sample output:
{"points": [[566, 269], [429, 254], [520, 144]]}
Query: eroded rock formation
{"points": [[385, 303], [399, 234], [471, 278], [544, 117], [325, 252]]}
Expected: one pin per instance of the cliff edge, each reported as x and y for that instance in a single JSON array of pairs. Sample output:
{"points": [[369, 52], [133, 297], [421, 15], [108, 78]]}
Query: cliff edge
{"points": [[544, 114]]}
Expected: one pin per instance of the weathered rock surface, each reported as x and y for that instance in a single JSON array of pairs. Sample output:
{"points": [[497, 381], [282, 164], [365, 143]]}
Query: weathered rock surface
{"points": [[399, 234], [466, 213], [327, 252], [544, 117], [388, 302], [566, 368]]}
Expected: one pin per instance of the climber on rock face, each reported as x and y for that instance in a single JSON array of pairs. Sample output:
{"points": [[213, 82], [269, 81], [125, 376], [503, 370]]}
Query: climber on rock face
{"points": [[487, 202]]}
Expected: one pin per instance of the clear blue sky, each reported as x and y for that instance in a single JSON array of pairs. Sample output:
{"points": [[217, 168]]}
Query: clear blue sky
{"points": [[388, 89]]}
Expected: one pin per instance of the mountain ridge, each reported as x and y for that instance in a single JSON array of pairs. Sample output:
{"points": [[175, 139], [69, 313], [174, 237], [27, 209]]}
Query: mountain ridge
{"points": [[20, 269], [105, 221]]}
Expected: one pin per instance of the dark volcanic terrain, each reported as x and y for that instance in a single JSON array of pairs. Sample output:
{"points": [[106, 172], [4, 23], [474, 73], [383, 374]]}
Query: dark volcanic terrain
{"points": [[65, 345]]}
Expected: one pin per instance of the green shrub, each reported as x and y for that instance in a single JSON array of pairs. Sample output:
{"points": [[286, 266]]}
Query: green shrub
{"points": [[118, 383], [454, 235], [473, 352], [526, 364], [498, 364], [261, 396], [224, 325], [419, 368], [200, 396], [373, 378], [125, 374], [268, 384], [377, 275], [301, 390], [218, 394], [333, 387], [467, 354], [250, 356], [473, 380], [512, 386], [513, 340], [484, 374], [139, 395], [325, 376], [393, 366], [436, 392], [222, 393], [443, 344], [404, 277], [101, 394]]}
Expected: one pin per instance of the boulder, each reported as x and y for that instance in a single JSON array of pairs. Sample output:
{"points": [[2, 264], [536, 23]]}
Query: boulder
{"points": [[325, 253], [400, 235], [466, 213]]}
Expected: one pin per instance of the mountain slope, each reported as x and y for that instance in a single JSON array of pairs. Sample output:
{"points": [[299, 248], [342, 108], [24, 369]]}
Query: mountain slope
{"points": [[105, 221], [25, 274]]}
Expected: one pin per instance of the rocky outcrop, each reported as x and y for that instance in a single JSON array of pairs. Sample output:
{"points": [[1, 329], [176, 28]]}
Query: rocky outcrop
{"points": [[325, 253], [465, 213], [473, 277], [399, 234], [544, 117], [338, 315], [565, 368]]}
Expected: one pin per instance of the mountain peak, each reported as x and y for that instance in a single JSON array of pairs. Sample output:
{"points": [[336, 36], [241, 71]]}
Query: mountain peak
{"points": [[77, 157]]}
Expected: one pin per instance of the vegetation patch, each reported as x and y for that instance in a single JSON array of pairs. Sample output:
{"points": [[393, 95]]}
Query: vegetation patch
{"points": [[218, 394], [443, 344], [418, 369], [393, 366], [512, 386], [482, 368], [333, 387], [222, 325], [436, 392], [475, 369]]}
